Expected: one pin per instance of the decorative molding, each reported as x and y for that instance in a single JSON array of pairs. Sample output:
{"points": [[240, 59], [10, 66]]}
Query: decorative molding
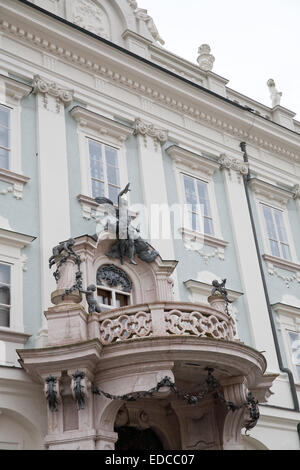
{"points": [[184, 157], [204, 289], [233, 164], [273, 261], [48, 88], [18, 240], [155, 94], [205, 59], [17, 180], [10, 336], [270, 193], [116, 132], [13, 90], [114, 277], [195, 241], [157, 134], [92, 17]]}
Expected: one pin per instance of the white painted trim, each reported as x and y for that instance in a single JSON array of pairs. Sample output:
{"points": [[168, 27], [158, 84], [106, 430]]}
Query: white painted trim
{"points": [[11, 244], [288, 320], [105, 131]]}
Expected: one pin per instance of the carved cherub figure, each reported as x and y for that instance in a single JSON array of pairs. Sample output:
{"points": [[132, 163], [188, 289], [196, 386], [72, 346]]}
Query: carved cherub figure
{"points": [[92, 302], [66, 246], [219, 287]]}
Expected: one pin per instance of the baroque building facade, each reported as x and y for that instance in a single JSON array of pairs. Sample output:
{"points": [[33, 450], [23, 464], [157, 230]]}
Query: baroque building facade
{"points": [[89, 101]]}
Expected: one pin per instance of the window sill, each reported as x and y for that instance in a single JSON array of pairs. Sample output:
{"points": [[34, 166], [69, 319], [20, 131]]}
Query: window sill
{"points": [[190, 236], [11, 336], [18, 181], [91, 209]]}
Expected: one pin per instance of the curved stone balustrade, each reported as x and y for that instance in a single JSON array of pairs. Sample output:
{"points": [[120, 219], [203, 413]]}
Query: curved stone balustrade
{"points": [[165, 319]]}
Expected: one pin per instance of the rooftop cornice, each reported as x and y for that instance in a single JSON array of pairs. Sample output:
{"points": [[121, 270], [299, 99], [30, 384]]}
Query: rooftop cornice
{"points": [[152, 81]]}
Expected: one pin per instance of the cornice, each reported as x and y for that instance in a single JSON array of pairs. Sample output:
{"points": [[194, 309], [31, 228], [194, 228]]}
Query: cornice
{"points": [[273, 261], [11, 336], [14, 90], [182, 156], [90, 120], [264, 134], [285, 309], [19, 240], [270, 193]]}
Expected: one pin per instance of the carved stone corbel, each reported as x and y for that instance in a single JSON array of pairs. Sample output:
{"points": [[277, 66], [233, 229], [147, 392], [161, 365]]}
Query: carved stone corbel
{"points": [[239, 167], [48, 89], [159, 136]]}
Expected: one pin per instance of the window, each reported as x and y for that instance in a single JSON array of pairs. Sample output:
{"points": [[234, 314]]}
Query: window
{"points": [[112, 298], [294, 339], [105, 177], [196, 196], [276, 232], [5, 129], [5, 289], [113, 287]]}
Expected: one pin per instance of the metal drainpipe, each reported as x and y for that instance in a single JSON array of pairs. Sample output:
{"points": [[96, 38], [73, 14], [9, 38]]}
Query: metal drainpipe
{"points": [[273, 327]]}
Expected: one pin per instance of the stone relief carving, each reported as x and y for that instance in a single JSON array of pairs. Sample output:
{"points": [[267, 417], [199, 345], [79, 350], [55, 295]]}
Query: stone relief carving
{"points": [[126, 327], [157, 134], [88, 15], [48, 88], [274, 93], [114, 277], [205, 58], [240, 167]]}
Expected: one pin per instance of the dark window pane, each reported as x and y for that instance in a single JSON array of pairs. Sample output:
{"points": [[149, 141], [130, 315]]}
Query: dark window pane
{"points": [[97, 189], [4, 316], [286, 253], [4, 159], [113, 175], [4, 116], [4, 273], [4, 137], [111, 156], [4, 295], [121, 300], [280, 226], [274, 248], [104, 297], [267, 211]]}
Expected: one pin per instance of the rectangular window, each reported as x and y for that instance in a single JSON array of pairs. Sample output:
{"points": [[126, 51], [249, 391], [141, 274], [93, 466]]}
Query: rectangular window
{"points": [[5, 288], [196, 196], [5, 138], [105, 174], [276, 232], [295, 350]]}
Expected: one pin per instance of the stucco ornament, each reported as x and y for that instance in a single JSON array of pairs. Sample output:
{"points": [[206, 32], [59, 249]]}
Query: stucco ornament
{"points": [[90, 16], [205, 58], [274, 93], [142, 15]]}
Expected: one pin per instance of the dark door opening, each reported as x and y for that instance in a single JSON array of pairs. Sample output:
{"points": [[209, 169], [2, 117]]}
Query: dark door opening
{"points": [[136, 439]]}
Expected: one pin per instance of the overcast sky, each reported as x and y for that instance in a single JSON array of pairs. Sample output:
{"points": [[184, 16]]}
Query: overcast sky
{"points": [[252, 41]]}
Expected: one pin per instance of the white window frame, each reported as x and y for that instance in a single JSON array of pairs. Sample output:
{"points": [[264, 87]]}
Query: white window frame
{"points": [[287, 229], [106, 184], [11, 140], [11, 244], [277, 198], [114, 292], [2, 263], [11, 94], [202, 168], [106, 131], [288, 320]]}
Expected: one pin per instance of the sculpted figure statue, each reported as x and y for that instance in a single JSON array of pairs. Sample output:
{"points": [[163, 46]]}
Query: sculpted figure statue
{"points": [[142, 14], [128, 241], [274, 93]]}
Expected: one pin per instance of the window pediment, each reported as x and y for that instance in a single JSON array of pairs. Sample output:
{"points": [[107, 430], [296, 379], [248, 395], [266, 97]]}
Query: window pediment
{"points": [[269, 193]]}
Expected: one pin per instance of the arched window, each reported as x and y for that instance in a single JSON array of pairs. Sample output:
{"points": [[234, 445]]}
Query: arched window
{"points": [[113, 287]]}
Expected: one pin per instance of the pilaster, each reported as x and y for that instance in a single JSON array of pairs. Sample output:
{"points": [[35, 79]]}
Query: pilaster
{"points": [[234, 171], [53, 175]]}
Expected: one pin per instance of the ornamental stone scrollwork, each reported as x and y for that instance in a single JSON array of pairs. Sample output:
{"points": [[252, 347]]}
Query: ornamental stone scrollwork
{"points": [[90, 16], [113, 277], [125, 327], [52, 89], [233, 164], [144, 129], [205, 58]]}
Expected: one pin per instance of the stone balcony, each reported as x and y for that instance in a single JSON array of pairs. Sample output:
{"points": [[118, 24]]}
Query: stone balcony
{"points": [[166, 319]]}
